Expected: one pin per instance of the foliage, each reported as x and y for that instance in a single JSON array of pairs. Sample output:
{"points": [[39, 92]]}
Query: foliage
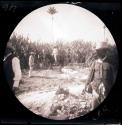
{"points": [[80, 52]]}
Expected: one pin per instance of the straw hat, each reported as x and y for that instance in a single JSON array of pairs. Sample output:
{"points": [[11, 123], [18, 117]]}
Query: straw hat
{"points": [[101, 45]]}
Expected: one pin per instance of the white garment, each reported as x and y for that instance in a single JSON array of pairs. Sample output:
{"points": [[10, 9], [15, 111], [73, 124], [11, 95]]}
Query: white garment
{"points": [[95, 94], [55, 52], [99, 60], [31, 65], [31, 60], [17, 71]]}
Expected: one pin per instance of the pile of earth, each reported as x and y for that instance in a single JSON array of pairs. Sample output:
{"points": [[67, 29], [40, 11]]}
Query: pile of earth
{"points": [[58, 105]]}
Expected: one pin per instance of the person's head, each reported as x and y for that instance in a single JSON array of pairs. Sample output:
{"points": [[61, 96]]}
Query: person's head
{"points": [[31, 53], [9, 49], [101, 49]]}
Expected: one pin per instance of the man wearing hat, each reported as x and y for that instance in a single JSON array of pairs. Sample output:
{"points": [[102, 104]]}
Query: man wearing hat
{"points": [[12, 68], [100, 79], [31, 63]]}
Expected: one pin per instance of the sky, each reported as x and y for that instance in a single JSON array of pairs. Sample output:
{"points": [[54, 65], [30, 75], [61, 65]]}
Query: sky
{"points": [[69, 23]]}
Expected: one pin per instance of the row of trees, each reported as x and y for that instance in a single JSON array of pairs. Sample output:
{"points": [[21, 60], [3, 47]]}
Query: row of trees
{"points": [[79, 52]]}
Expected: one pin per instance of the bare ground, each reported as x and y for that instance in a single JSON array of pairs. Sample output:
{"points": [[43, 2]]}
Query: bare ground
{"points": [[38, 92]]}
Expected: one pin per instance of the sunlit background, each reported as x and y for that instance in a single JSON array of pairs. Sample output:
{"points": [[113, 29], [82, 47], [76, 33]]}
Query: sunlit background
{"points": [[67, 23]]}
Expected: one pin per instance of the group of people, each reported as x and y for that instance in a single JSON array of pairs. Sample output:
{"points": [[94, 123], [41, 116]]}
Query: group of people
{"points": [[99, 82], [56, 57], [12, 66], [44, 64]]}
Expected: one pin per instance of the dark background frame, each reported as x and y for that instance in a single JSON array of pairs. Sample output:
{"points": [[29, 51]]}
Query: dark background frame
{"points": [[11, 110]]}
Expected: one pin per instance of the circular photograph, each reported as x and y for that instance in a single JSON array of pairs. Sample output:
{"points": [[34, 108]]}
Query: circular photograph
{"points": [[61, 61]]}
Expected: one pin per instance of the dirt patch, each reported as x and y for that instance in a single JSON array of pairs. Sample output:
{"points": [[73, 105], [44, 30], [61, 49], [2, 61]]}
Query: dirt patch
{"points": [[38, 93]]}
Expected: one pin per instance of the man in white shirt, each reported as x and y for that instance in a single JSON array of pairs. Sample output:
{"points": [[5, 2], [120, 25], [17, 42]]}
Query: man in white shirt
{"points": [[55, 54], [12, 68], [31, 63]]}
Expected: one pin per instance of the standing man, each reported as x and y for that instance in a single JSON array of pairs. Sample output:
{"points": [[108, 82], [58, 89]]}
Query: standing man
{"points": [[12, 68], [55, 55], [31, 63], [44, 58], [69, 56], [101, 75]]}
